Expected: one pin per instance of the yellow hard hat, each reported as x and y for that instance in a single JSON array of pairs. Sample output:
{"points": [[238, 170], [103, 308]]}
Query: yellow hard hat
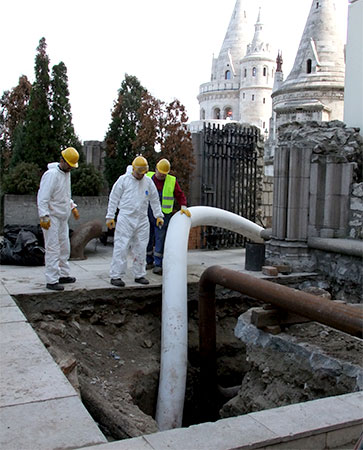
{"points": [[163, 166], [140, 164], [71, 156]]}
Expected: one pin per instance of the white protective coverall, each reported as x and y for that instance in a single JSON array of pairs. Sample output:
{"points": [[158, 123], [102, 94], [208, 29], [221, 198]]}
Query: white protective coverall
{"points": [[54, 200], [131, 197]]}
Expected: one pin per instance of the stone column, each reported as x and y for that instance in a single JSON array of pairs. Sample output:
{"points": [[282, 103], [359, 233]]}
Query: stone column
{"points": [[314, 168]]}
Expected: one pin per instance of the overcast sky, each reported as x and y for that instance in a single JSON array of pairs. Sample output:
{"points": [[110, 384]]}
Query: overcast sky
{"points": [[167, 44]]}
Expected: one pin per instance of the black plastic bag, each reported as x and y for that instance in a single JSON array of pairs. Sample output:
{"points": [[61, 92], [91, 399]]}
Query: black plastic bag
{"points": [[22, 245]]}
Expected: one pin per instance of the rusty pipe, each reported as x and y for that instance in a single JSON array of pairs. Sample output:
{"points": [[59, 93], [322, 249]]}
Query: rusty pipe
{"points": [[340, 316]]}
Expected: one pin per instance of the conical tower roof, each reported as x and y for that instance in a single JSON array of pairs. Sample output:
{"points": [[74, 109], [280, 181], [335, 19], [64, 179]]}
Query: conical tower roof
{"points": [[259, 44], [235, 42], [320, 57]]}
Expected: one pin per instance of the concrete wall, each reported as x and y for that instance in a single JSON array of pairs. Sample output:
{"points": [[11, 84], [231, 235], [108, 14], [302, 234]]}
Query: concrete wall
{"points": [[22, 210], [353, 91]]}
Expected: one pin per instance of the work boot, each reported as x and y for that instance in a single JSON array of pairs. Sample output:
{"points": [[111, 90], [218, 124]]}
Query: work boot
{"points": [[54, 286], [117, 282], [158, 270], [142, 280], [66, 280], [149, 266]]}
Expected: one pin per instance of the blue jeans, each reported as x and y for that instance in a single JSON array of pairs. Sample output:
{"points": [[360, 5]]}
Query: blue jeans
{"points": [[155, 247]]}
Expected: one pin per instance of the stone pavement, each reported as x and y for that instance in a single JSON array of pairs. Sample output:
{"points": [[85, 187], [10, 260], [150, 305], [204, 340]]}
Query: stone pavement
{"points": [[40, 410], [93, 272]]}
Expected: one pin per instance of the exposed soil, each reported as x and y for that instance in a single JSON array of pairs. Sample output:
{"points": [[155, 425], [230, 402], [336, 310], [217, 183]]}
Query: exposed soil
{"points": [[110, 352], [109, 348]]}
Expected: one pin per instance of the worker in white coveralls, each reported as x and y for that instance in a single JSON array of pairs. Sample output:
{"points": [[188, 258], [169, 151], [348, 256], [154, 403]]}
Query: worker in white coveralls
{"points": [[54, 208], [131, 194]]}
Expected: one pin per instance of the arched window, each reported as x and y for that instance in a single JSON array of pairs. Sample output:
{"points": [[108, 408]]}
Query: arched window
{"points": [[308, 66], [264, 100], [228, 113], [264, 71], [243, 95], [216, 113], [227, 75], [254, 72], [245, 73], [202, 114], [253, 97]]}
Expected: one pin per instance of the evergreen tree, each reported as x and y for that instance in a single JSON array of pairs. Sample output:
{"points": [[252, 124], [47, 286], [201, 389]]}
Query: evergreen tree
{"points": [[123, 129], [63, 130], [36, 143]]}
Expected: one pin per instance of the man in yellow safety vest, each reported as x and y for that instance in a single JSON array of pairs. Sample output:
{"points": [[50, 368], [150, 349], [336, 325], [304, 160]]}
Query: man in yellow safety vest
{"points": [[168, 189]]}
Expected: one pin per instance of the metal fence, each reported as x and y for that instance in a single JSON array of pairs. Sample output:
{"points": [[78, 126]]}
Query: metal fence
{"points": [[229, 178]]}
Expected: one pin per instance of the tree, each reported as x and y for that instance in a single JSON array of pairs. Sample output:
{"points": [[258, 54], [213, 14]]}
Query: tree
{"points": [[63, 130], [86, 180], [13, 107], [123, 128], [35, 143], [164, 126], [176, 145], [142, 124]]}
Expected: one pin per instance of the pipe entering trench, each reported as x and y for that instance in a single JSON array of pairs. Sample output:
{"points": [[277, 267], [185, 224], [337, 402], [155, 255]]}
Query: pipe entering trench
{"points": [[174, 325], [342, 317]]}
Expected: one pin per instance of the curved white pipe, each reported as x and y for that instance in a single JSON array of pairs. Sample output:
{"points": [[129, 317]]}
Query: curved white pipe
{"points": [[174, 325]]}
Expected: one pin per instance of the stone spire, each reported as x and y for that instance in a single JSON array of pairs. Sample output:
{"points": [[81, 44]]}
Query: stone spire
{"points": [[279, 75], [234, 46], [259, 42], [314, 89], [320, 57]]}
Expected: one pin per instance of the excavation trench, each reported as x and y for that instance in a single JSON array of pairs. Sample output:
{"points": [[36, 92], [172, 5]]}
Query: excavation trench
{"points": [[108, 345]]}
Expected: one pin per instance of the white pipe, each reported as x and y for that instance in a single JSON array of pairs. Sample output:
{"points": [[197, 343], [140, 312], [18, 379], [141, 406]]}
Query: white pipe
{"points": [[174, 325]]}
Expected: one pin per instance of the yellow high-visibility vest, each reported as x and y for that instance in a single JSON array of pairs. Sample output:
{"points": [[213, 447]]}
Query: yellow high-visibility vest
{"points": [[167, 197]]}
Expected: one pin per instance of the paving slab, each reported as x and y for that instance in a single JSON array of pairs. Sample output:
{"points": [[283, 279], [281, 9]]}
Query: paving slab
{"points": [[215, 435], [138, 443], [304, 419], [11, 314], [28, 372], [55, 424], [6, 300]]}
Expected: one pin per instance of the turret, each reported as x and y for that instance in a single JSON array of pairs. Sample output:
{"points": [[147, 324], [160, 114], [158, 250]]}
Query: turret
{"points": [[257, 79], [314, 89]]}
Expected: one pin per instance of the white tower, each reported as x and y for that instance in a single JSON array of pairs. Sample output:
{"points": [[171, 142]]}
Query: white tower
{"points": [[219, 98], [257, 75], [242, 75]]}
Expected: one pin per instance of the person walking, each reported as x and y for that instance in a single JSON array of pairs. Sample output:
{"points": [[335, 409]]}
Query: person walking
{"points": [[131, 195], [54, 208], [168, 189]]}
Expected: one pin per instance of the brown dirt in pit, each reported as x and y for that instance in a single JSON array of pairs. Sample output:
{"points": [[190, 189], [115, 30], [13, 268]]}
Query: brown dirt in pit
{"points": [[110, 351]]}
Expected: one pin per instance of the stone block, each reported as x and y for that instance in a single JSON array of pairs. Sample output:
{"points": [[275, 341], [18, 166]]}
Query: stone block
{"points": [[270, 271]]}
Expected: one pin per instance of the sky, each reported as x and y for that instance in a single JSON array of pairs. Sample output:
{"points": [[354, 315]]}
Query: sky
{"points": [[167, 44]]}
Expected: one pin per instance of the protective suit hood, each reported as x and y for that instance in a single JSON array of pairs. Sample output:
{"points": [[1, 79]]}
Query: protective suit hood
{"points": [[53, 165]]}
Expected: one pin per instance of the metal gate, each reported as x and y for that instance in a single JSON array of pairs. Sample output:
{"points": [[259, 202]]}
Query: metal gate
{"points": [[229, 174]]}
